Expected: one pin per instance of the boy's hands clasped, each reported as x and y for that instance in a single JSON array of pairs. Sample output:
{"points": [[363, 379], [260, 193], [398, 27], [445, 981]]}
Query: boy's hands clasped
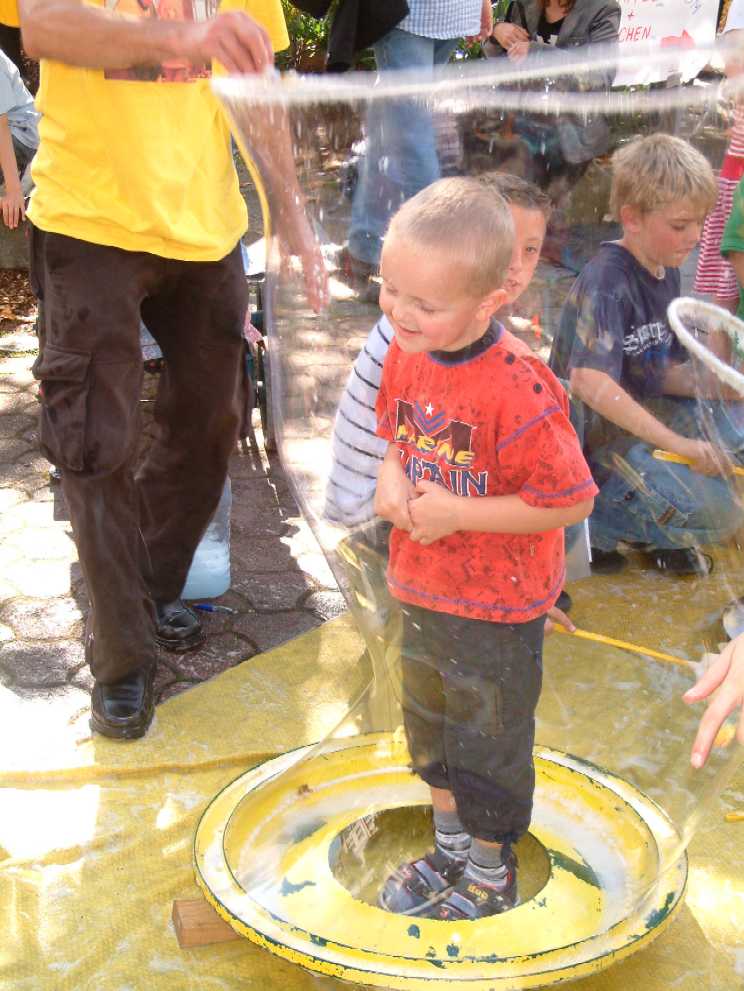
{"points": [[394, 492], [426, 511], [433, 512]]}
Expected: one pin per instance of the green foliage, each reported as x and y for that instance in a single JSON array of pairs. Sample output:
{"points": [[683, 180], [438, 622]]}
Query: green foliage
{"points": [[308, 38]]}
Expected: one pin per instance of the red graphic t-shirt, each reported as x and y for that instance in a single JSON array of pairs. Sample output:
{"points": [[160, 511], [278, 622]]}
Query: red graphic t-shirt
{"points": [[486, 421]]}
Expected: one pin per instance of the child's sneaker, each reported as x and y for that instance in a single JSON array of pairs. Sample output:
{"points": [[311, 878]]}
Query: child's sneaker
{"points": [[472, 898], [418, 887]]}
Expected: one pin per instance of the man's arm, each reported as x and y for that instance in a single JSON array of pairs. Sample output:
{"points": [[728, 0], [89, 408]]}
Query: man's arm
{"points": [[599, 391], [266, 131], [11, 205], [68, 31]]}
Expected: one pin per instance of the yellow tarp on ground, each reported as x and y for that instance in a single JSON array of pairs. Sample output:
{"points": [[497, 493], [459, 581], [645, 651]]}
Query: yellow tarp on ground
{"points": [[95, 839]]}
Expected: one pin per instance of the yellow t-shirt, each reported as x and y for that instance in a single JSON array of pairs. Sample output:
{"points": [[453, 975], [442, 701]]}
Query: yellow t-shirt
{"points": [[141, 164], [9, 13]]}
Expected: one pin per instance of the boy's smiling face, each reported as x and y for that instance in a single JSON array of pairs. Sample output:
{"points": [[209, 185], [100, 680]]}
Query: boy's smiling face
{"points": [[664, 237], [425, 297], [444, 313]]}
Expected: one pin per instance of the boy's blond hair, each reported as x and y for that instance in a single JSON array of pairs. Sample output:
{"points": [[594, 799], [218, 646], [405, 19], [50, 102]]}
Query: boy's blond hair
{"points": [[468, 221], [651, 172]]}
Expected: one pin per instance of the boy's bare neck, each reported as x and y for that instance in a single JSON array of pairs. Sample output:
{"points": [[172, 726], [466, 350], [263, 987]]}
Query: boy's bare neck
{"points": [[628, 242]]}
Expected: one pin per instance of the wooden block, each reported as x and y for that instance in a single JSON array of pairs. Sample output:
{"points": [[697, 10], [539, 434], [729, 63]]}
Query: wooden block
{"points": [[197, 924]]}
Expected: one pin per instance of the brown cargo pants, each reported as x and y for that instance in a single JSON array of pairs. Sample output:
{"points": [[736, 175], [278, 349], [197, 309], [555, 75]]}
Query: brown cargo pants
{"points": [[136, 534]]}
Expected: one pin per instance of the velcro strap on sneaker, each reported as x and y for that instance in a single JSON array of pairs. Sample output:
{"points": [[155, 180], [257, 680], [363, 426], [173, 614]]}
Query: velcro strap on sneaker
{"points": [[432, 877], [462, 905]]}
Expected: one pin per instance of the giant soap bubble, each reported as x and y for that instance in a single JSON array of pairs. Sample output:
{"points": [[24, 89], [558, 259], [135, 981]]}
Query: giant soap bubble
{"points": [[296, 852]]}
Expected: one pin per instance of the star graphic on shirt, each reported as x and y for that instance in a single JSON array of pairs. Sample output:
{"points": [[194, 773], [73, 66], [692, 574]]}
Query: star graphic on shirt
{"points": [[429, 409]]}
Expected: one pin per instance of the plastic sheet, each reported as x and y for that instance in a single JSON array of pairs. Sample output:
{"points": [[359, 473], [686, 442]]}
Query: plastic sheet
{"points": [[297, 853]]}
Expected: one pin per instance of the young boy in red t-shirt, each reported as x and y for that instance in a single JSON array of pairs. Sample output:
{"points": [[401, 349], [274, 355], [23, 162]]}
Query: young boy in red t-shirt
{"points": [[482, 472]]}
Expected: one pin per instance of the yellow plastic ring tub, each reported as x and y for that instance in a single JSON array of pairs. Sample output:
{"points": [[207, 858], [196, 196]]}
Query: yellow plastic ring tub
{"points": [[265, 849]]}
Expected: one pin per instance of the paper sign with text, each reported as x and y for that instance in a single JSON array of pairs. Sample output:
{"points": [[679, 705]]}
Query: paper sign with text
{"points": [[681, 24]]}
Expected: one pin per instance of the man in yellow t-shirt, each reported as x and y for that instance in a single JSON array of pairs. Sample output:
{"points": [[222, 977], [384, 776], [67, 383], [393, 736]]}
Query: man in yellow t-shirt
{"points": [[137, 212]]}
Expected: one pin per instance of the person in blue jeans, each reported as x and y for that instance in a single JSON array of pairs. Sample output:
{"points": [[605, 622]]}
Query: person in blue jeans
{"points": [[401, 155], [640, 388], [19, 139]]}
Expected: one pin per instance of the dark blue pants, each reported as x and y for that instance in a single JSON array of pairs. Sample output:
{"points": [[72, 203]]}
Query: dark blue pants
{"points": [[470, 690]]}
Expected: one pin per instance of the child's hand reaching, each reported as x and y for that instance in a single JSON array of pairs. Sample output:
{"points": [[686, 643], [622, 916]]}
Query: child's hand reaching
{"points": [[725, 678], [705, 458], [13, 207], [394, 491], [433, 513], [557, 617]]}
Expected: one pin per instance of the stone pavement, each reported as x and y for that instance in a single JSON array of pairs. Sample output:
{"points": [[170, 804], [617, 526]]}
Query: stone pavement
{"points": [[281, 584]]}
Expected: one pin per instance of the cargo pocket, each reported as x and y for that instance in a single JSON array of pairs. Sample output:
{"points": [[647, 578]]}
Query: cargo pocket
{"points": [[64, 398]]}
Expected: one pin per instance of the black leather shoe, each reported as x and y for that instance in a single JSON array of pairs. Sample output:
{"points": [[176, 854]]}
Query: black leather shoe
{"points": [[177, 626], [679, 561], [123, 710], [607, 562]]}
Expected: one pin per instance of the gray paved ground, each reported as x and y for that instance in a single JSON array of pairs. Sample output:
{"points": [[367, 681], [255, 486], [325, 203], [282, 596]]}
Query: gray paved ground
{"points": [[281, 584]]}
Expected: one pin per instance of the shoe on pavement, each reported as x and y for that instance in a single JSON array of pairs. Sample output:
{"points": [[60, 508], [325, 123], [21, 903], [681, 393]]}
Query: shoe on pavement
{"points": [[680, 561], [177, 627], [123, 710], [360, 276], [607, 562]]}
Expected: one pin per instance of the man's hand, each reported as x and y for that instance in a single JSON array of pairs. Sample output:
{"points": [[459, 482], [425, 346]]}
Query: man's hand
{"points": [[723, 684], [234, 39], [96, 37], [509, 34], [300, 240], [394, 491], [13, 207], [433, 513]]}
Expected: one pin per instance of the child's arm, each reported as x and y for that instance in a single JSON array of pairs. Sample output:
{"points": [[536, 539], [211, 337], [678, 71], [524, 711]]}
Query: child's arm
{"points": [[357, 450], [603, 394], [394, 491], [726, 679], [437, 512], [11, 204], [692, 379]]}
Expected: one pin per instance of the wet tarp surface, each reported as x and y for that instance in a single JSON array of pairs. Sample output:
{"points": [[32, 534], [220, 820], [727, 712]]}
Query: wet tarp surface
{"points": [[95, 837]]}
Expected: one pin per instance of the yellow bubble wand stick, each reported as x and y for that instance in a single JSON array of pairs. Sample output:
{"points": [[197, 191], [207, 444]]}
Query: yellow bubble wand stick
{"points": [[679, 460], [632, 647]]}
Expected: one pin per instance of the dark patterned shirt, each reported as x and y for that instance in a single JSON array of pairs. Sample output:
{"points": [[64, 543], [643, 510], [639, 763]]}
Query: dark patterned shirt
{"points": [[615, 321]]}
